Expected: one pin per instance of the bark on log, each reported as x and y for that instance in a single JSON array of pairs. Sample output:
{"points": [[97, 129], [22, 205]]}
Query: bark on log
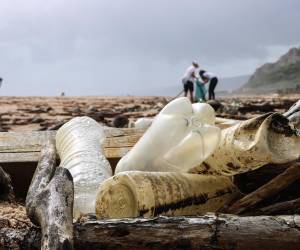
{"points": [[6, 190], [286, 207], [268, 190], [49, 202], [204, 232]]}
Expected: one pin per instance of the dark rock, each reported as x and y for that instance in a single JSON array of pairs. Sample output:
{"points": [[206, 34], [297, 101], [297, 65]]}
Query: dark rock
{"points": [[6, 189], [37, 119], [47, 109], [215, 104], [57, 125], [92, 109], [98, 116], [75, 110], [3, 129], [120, 121]]}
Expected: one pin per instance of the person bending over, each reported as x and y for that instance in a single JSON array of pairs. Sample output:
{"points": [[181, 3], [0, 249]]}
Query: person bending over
{"points": [[189, 79], [213, 81]]}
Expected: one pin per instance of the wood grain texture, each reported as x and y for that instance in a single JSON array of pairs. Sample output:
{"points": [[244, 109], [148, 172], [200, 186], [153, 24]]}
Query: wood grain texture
{"points": [[49, 201], [268, 190], [210, 231], [26, 146]]}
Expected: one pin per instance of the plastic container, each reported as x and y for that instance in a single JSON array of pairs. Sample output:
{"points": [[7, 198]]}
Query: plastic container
{"points": [[251, 144], [143, 123], [181, 137], [149, 194], [79, 145]]}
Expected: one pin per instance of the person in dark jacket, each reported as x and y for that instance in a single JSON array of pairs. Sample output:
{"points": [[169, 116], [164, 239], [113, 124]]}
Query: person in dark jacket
{"points": [[213, 81]]}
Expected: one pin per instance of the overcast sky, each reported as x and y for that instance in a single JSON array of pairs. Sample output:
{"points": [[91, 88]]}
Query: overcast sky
{"points": [[106, 47]]}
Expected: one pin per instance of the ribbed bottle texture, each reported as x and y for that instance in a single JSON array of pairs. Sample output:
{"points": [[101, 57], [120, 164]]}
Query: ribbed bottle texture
{"points": [[79, 145]]}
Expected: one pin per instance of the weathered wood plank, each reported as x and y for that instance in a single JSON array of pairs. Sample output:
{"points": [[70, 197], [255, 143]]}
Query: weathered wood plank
{"points": [[17, 142], [19, 157], [26, 146]]}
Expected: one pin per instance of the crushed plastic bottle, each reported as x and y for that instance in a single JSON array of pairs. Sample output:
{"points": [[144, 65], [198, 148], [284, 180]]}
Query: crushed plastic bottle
{"points": [[79, 145], [293, 114], [181, 137], [251, 144]]}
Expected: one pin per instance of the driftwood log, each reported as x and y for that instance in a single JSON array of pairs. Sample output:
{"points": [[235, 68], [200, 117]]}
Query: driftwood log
{"points": [[204, 232], [285, 207], [273, 187], [6, 190], [49, 202]]}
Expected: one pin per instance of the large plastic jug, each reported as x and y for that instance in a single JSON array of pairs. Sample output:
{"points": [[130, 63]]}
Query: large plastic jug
{"points": [[79, 145], [181, 136]]}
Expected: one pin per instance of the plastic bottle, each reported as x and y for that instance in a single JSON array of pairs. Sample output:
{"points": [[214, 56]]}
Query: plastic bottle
{"points": [[143, 123], [293, 114], [79, 145], [148, 194], [181, 136], [251, 144]]}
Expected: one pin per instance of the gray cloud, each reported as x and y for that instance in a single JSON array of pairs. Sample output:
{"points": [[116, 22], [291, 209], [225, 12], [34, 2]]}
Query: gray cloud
{"points": [[92, 47]]}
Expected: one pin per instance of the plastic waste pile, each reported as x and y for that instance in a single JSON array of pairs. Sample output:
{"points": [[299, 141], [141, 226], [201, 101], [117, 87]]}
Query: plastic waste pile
{"points": [[180, 166]]}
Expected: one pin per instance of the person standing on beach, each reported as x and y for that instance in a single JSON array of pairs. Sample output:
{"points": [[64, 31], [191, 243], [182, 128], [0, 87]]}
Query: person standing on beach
{"points": [[189, 79], [213, 81]]}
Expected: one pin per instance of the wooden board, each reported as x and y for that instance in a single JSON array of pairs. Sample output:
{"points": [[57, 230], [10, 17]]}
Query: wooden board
{"points": [[25, 146]]}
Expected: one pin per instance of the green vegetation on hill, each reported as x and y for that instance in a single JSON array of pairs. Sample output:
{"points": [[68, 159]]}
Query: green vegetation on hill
{"points": [[286, 73], [283, 74]]}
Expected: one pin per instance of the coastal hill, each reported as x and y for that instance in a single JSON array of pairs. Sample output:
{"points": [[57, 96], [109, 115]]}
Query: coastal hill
{"points": [[282, 75]]}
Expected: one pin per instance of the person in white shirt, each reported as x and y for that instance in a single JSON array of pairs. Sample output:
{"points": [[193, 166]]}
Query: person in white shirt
{"points": [[213, 81], [189, 79]]}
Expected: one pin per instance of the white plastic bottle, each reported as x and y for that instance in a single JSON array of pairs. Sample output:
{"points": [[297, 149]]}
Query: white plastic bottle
{"points": [[181, 136], [79, 145], [143, 123], [149, 194], [253, 143]]}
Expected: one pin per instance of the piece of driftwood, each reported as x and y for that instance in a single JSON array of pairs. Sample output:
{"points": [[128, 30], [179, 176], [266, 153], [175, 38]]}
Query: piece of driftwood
{"points": [[273, 187], [49, 202], [26, 146], [204, 232], [6, 190], [286, 207]]}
